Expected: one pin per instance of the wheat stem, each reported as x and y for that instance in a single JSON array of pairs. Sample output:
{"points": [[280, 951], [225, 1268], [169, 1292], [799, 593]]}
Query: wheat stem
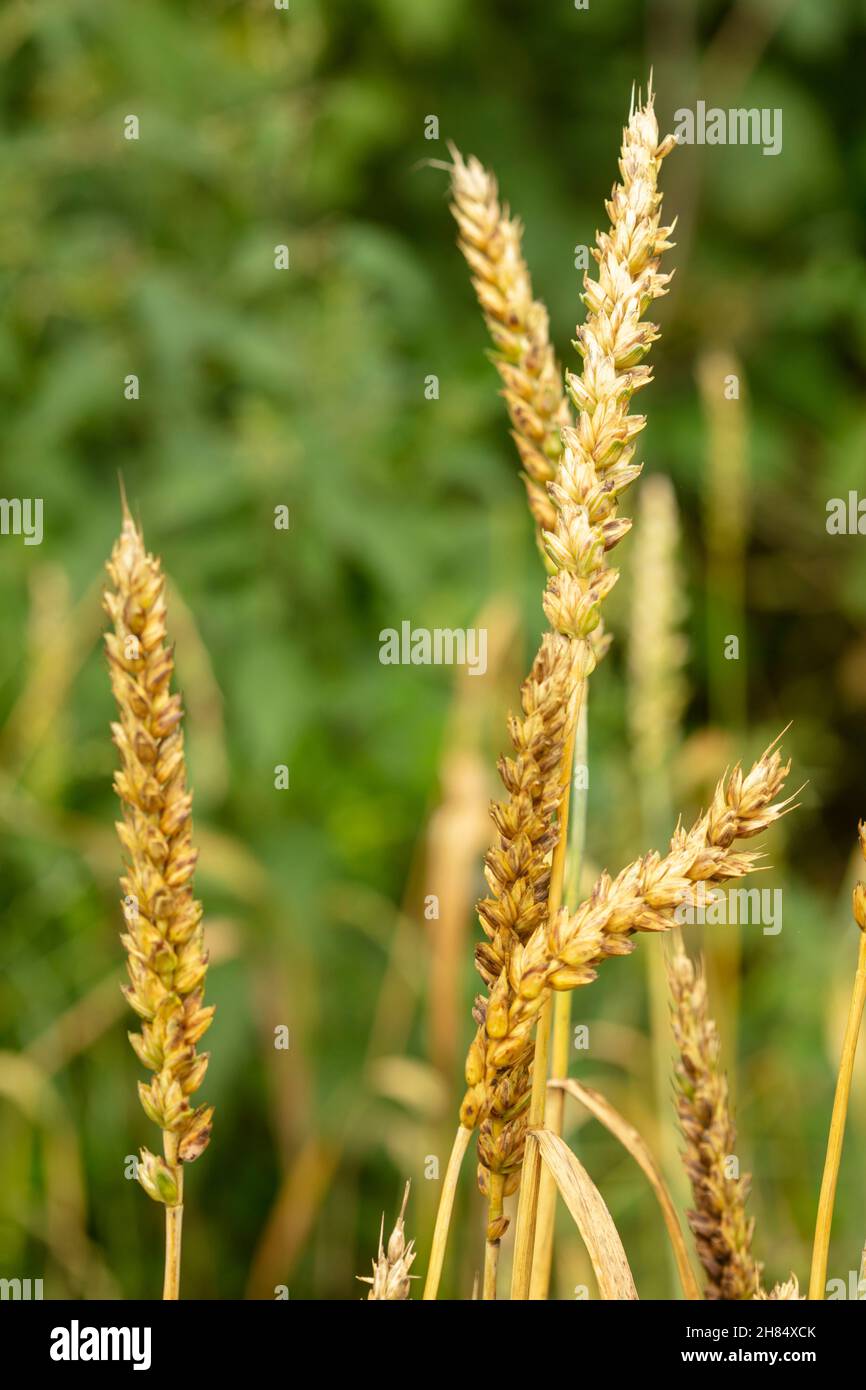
{"points": [[561, 1036], [491, 1270], [530, 1175], [553, 1119], [443, 1213], [527, 1202], [173, 1221], [827, 1199], [492, 1246], [495, 1201]]}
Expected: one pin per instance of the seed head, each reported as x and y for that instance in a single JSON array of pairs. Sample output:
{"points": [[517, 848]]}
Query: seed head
{"points": [[391, 1279], [490, 240], [166, 958], [722, 1230]]}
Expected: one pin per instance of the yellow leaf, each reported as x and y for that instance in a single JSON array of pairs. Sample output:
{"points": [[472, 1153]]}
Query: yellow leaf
{"points": [[631, 1139], [590, 1215]]}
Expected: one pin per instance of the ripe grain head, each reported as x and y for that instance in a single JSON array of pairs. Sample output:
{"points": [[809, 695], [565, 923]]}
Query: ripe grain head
{"points": [[391, 1279], [722, 1230], [491, 242], [166, 957]]}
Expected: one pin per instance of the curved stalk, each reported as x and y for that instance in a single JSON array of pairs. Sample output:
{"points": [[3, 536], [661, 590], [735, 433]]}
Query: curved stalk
{"points": [[443, 1214], [827, 1199]]}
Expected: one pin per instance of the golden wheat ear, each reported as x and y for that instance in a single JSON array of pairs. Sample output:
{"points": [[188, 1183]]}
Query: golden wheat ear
{"points": [[164, 941], [491, 243], [722, 1230], [391, 1279], [594, 466]]}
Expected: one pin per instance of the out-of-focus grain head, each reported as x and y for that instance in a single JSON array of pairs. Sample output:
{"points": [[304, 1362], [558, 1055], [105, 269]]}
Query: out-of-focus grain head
{"points": [[391, 1279]]}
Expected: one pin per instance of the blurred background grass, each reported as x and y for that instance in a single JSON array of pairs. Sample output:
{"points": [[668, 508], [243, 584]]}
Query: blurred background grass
{"points": [[306, 388]]}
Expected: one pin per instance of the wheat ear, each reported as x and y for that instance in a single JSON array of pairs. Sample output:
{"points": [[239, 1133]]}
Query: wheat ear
{"points": [[490, 240], [166, 958], [721, 1228], [644, 897], [391, 1278], [518, 871], [597, 465]]}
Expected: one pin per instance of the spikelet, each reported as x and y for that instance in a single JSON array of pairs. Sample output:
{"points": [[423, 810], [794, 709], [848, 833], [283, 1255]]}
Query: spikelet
{"points": [[721, 1228], [391, 1278], [789, 1290], [597, 463], [490, 240], [166, 959], [517, 868], [644, 897]]}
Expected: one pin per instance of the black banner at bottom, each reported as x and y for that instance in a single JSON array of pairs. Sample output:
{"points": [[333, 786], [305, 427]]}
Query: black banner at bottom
{"points": [[83, 1340]]}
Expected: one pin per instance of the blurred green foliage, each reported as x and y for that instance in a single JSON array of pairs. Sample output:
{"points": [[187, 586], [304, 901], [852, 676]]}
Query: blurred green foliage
{"points": [[305, 387]]}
